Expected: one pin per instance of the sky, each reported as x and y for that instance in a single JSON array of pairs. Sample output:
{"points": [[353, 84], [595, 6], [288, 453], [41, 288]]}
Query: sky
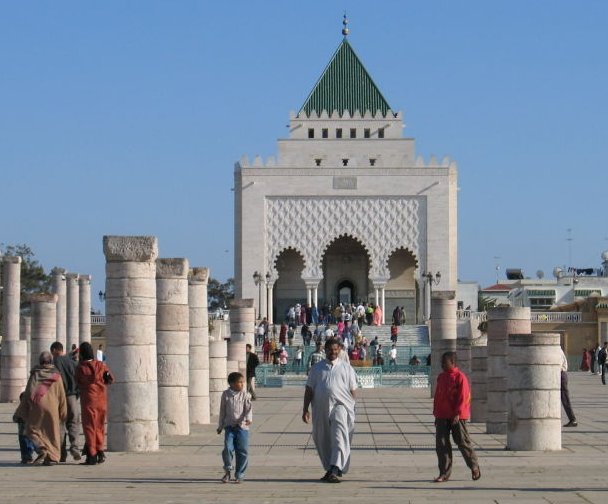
{"points": [[126, 117]]}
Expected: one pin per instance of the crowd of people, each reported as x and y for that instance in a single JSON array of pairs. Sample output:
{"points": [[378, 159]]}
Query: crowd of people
{"points": [[357, 346], [361, 313], [64, 393], [594, 360]]}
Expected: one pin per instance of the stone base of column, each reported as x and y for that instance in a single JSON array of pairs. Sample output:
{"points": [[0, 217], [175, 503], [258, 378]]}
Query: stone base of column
{"points": [[218, 374], [200, 410], [496, 410], [533, 398], [133, 415], [141, 436], [535, 435], [199, 404], [13, 370], [173, 421], [479, 391]]}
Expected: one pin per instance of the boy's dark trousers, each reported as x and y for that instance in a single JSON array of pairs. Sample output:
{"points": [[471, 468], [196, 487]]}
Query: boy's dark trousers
{"points": [[459, 431], [26, 446]]}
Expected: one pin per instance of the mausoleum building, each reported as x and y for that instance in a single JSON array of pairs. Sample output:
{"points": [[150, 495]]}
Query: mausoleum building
{"points": [[346, 211]]}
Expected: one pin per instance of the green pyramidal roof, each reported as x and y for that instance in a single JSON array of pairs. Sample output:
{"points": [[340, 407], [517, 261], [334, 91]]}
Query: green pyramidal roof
{"points": [[345, 85]]}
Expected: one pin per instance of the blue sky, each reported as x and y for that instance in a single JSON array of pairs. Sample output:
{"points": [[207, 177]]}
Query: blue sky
{"points": [[126, 117]]}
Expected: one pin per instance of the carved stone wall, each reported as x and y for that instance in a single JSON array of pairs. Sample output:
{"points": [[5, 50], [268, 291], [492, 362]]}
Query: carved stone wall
{"points": [[310, 224]]}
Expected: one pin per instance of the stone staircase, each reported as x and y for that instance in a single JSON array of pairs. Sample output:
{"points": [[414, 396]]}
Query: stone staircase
{"points": [[409, 335]]}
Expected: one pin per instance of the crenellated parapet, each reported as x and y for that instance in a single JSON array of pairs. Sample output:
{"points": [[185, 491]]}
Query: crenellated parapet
{"points": [[337, 161], [334, 115]]}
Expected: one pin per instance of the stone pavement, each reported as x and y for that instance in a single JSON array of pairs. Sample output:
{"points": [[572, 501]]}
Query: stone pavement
{"points": [[393, 460]]}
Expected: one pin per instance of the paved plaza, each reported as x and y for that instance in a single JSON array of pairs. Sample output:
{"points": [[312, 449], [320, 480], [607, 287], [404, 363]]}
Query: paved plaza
{"points": [[393, 460]]}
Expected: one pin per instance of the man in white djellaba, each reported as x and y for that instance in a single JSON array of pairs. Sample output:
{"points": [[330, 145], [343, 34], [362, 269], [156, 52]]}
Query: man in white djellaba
{"points": [[330, 390]]}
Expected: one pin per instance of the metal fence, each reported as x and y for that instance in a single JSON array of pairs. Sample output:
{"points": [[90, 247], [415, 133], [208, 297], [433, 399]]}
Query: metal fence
{"points": [[267, 375]]}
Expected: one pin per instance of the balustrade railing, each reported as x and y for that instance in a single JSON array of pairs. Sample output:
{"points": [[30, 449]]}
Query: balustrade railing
{"points": [[551, 317], [98, 319], [537, 317], [472, 315]]}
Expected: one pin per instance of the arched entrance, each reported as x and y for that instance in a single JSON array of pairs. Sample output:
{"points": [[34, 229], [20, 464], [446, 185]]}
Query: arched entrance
{"points": [[345, 272], [402, 289], [289, 288]]}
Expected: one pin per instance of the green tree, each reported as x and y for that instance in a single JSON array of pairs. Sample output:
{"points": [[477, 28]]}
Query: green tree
{"points": [[219, 294]]}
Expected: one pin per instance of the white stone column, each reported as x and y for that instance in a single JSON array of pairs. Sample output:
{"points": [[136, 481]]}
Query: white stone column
{"points": [[25, 334], [13, 366], [311, 285], [263, 299], [242, 331], [44, 324], [463, 353], [270, 292], [131, 342], [376, 296], [72, 310], [533, 397], [58, 284], [383, 305], [479, 394], [11, 297], [172, 343], [315, 297], [502, 321], [218, 374], [84, 308], [198, 388], [443, 330]]}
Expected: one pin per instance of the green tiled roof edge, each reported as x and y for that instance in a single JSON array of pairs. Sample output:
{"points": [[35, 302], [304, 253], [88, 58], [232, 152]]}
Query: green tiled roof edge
{"points": [[345, 86]]}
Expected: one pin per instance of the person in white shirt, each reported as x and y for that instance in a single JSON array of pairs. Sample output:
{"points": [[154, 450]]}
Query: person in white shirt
{"points": [[392, 356], [330, 390], [99, 355]]}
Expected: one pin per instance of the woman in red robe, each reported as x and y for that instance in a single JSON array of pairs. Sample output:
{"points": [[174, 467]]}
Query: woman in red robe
{"points": [[93, 377], [586, 361]]}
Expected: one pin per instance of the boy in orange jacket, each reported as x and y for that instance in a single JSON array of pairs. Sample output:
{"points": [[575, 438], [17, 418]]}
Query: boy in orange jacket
{"points": [[452, 408]]}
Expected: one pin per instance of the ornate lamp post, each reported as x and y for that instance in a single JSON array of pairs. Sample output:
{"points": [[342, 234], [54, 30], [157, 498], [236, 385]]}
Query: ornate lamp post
{"points": [[258, 280], [430, 279]]}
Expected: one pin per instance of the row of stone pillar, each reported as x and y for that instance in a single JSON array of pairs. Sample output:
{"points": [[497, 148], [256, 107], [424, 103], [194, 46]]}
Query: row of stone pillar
{"points": [[157, 338], [24, 337], [73, 311]]}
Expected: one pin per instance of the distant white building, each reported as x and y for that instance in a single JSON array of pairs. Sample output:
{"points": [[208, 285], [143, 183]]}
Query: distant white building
{"points": [[567, 286]]}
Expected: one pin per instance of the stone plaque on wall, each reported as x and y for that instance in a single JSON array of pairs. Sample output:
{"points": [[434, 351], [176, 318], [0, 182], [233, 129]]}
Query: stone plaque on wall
{"points": [[345, 182], [403, 293]]}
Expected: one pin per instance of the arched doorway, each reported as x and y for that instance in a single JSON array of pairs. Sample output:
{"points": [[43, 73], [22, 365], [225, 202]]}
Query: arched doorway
{"points": [[345, 272], [402, 289], [289, 288], [346, 292]]}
